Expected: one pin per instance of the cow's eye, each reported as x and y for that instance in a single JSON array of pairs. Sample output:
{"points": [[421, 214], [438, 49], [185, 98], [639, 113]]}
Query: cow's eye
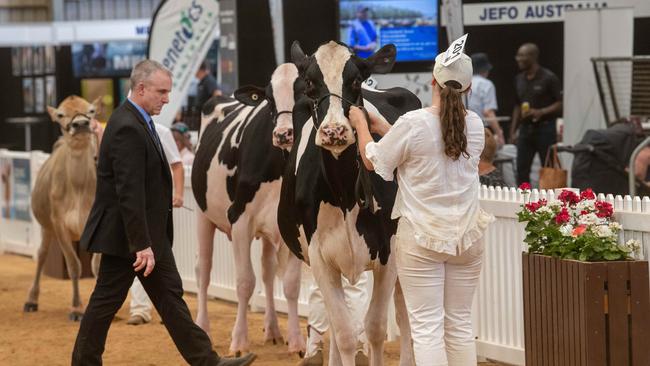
{"points": [[356, 84], [309, 88]]}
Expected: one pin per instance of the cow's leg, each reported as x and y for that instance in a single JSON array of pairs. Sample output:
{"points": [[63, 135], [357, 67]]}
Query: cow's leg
{"points": [[73, 264], [94, 263], [291, 286], [205, 230], [241, 240], [272, 332], [406, 357], [384, 277], [341, 324], [47, 238]]}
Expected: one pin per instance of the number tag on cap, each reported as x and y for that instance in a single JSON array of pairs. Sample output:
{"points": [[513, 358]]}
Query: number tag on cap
{"points": [[454, 51]]}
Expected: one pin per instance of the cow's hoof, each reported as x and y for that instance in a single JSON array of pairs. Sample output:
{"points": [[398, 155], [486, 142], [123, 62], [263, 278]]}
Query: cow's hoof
{"points": [[314, 360], [276, 341], [361, 359], [30, 307], [75, 316]]}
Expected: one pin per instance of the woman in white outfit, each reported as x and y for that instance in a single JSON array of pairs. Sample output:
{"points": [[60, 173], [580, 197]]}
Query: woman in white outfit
{"points": [[439, 245]]}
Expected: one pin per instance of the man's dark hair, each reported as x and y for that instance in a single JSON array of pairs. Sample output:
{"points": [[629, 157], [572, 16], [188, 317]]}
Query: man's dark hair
{"points": [[205, 65]]}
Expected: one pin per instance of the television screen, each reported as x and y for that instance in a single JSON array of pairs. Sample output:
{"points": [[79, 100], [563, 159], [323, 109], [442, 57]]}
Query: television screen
{"points": [[411, 25], [111, 59]]}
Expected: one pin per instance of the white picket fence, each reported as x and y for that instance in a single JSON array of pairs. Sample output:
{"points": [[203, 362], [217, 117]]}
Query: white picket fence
{"points": [[498, 307]]}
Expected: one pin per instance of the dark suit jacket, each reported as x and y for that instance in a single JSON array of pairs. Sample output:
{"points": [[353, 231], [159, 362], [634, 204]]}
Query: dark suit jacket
{"points": [[133, 202]]}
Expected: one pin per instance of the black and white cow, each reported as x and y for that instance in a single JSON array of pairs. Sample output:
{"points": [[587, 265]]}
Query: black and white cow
{"points": [[320, 215], [236, 180]]}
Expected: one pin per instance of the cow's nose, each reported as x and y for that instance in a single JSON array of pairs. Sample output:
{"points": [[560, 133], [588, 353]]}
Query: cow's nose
{"points": [[334, 134], [284, 137]]}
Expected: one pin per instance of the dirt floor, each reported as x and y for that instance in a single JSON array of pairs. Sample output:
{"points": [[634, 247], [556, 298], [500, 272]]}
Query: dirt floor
{"points": [[47, 336]]}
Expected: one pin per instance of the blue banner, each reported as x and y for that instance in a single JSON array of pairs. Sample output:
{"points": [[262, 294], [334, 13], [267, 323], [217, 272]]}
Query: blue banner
{"points": [[413, 43], [22, 182]]}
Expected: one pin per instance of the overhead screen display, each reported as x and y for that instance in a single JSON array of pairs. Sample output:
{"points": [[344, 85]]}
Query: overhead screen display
{"points": [[411, 25]]}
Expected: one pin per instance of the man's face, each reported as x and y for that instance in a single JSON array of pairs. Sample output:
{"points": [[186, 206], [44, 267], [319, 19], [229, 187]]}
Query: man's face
{"points": [[155, 92], [363, 14], [524, 58]]}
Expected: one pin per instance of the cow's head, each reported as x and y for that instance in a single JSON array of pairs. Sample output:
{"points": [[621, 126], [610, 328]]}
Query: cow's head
{"points": [[74, 115], [281, 93], [333, 78]]}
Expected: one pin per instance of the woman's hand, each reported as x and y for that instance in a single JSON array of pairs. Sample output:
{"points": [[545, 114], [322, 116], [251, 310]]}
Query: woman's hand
{"points": [[357, 117]]}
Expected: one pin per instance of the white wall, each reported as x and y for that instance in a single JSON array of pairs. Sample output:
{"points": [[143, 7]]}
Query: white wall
{"points": [[419, 83], [587, 34]]}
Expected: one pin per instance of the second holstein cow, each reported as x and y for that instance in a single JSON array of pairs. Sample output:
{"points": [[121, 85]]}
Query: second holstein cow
{"points": [[333, 214], [236, 180]]}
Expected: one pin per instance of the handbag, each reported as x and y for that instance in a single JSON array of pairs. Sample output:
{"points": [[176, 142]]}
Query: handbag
{"points": [[552, 176]]}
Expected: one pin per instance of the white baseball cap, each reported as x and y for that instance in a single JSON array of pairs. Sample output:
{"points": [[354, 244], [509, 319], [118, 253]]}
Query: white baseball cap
{"points": [[459, 71]]}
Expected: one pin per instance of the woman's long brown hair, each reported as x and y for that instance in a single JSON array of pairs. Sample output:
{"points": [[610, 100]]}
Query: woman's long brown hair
{"points": [[452, 118]]}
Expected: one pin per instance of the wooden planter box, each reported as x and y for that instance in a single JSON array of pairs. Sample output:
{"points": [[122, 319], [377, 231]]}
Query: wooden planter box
{"points": [[586, 313]]}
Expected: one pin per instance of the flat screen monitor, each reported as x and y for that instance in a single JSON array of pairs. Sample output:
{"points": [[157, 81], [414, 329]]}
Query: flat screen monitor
{"points": [[411, 25], [110, 59]]}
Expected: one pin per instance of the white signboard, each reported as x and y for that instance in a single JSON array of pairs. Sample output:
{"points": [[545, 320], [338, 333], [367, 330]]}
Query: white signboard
{"points": [[537, 11]]}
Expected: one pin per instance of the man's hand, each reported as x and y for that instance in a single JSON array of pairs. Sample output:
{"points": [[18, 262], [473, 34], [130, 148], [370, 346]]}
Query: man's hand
{"points": [[144, 259], [513, 136], [177, 201], [535, 114]]}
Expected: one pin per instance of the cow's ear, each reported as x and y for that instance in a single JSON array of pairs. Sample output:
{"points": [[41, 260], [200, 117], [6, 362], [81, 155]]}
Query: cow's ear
{"points": [[382, 61], [298, 57], [250, 95]]}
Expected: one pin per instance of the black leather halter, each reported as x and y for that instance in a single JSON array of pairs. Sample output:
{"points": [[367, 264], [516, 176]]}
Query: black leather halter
{"points": [[363, 186], [277, 115]]}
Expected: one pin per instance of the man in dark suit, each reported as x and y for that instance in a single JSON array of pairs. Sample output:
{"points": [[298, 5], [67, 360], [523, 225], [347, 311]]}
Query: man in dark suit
{"points": [[131, 225]]}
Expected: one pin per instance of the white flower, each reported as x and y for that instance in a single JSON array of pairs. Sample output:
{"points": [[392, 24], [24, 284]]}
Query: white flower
{"points": [[566, 230], [603, 231], [544, 209], [586, 205], [615, 226], [633, 245], [589, 219], [554, 204]]}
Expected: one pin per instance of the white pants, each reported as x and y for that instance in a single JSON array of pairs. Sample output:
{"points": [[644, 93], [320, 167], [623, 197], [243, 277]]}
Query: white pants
{"points": [[356, 298], [140, 303], [439, 289]]}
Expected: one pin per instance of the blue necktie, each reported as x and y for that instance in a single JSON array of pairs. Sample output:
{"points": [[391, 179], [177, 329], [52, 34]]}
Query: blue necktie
{"points": [[155, 135]]}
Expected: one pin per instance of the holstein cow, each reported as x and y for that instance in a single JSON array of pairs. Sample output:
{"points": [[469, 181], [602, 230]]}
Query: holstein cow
{"points": [[332, 214], [64, 192], [236, 181]]}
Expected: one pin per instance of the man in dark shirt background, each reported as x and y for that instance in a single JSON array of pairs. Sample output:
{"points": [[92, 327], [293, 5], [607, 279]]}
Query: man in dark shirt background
{"points": [[207, 86], [538, 105]]}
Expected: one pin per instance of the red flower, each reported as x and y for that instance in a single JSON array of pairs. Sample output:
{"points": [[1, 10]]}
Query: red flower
{"points": [[579, 230], [604, 209], [583, 212], [587, 194], [568, 197], [533, 206], [524, 186], [562, 217]]}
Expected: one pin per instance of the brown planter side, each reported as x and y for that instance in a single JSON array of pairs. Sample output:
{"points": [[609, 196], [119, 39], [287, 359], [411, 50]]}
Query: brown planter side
{"points": [[586, 313]]}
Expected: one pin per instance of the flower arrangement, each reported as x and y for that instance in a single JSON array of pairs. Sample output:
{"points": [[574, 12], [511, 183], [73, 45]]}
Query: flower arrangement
{"points": [[574, 226]]}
